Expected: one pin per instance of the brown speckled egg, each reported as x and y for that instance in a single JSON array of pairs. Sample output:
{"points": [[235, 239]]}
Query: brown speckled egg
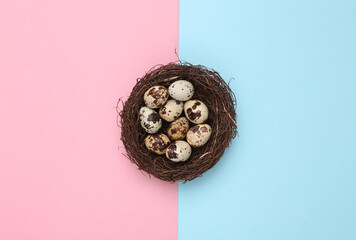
{"points": [[196, 111], [155, 96], [157, 143], [181, 90], [178, 129], [150, 120], [171, 110], [178, 151], [198, 135]]}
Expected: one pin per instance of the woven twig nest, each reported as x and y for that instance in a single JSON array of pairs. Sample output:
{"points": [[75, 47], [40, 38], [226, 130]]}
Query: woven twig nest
{"points": [[211, 89]]}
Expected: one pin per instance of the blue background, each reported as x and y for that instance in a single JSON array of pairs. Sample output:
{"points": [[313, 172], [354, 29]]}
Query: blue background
{"points": [[292, 172]]}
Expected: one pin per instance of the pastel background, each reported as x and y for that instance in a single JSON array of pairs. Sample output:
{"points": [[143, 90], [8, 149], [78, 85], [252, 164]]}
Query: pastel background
{"points": [[292, 172], [63, 66]]}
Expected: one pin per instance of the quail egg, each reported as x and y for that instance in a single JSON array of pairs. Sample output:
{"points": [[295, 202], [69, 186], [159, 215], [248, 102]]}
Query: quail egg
{"points": [[171, 110], [155, 96], [181, 90], [198, 135], [178, 151], [196, 111], [150, 120], [178, 129], [157, 143]]}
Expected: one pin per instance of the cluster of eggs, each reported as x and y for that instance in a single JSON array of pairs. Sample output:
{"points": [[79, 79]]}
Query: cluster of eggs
{"points": [[174, 145]]}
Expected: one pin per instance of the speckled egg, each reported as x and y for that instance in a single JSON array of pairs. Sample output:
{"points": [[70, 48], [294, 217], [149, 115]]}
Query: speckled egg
{"points": [[196, 111], [178, 151], [155, 96], [150, 120], [157, 143], [198, 135], [178, 129], [181, 90], [171, 110]]}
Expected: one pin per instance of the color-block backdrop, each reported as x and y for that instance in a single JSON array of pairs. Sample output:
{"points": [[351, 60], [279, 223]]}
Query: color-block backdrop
{"points": [[292, 172]]}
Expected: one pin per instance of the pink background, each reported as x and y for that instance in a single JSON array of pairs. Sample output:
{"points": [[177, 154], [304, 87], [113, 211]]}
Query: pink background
{"points": [[63, 66]]}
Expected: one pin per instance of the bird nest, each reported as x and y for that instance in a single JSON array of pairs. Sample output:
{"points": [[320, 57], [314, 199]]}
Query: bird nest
{"points": [[211, 89]]}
